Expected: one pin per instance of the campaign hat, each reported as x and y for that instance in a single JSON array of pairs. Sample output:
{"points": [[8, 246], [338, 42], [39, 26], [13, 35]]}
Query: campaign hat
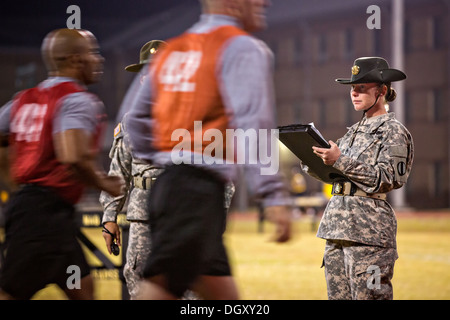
{"points": [[145, 55], [372, 69]]}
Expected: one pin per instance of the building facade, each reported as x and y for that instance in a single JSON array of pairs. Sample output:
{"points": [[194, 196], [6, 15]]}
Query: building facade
{"points": [[314, 49], [314, 42]]}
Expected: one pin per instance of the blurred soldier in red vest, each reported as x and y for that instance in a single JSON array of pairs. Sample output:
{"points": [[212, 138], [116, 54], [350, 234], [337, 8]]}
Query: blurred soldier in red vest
{"points": [[54, 131]]}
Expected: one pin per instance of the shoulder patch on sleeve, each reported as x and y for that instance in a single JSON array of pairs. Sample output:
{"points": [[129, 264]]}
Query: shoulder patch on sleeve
{"points": [[117, 130], [399, 151]]}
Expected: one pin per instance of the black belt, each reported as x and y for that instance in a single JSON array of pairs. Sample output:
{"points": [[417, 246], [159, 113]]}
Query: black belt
{"points": [[347, 188]]}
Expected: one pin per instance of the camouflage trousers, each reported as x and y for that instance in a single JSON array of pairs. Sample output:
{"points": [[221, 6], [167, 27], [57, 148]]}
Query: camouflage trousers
{"points": [[355, 271], [137, 253]]}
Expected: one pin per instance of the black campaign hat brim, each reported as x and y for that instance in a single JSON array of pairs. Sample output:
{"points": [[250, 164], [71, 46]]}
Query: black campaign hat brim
{"points": [[134, 67], [379, 76]]}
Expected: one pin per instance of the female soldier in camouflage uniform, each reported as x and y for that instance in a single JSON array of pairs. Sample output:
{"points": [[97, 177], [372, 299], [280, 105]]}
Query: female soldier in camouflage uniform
{"points": [[376, 156]]}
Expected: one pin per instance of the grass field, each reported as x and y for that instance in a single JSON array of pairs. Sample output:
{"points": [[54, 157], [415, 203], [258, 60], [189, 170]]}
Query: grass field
{"points": [[267, 271]]}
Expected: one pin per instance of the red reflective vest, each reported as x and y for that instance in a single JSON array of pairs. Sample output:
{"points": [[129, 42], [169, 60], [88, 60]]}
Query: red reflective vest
{"points": [[33, 159]]}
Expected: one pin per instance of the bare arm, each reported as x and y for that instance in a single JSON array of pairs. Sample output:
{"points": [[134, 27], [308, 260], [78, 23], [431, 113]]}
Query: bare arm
{"points": [[72, 148]]}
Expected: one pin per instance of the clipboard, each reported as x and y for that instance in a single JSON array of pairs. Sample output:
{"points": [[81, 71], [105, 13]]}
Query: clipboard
{"points": [[299, 139]]}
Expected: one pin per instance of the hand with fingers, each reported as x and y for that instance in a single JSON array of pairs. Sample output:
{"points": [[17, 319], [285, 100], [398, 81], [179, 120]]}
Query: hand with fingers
{"points": [[111, 234], [328, 155]]}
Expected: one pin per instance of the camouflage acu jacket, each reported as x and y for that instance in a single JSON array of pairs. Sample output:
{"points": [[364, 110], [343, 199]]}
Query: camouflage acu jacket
{"points": [[379, 160], [127, 167]]}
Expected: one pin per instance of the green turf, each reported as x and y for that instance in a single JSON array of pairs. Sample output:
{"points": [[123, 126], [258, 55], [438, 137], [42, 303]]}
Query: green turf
{"points": [[268, 271]]}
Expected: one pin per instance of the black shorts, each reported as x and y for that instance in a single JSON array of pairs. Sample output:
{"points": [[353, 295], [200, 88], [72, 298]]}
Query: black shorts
{"points": [[40, 243], [188, 219]]}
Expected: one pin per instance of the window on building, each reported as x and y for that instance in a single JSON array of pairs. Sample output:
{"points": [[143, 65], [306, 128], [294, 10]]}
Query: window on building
{"points": [[322, 54], [439, 106], [408, 101], [438, 178], [438, 34], [322, 113], [273, 45], [350, 112], [297, 51], [377, 42], [297, 111], [407, 37], [349, 49]]}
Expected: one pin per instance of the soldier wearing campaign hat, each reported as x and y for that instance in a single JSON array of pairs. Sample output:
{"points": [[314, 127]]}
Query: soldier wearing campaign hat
{"points": [[146, 54], [372, 69], [376, 156], [139, 177]]}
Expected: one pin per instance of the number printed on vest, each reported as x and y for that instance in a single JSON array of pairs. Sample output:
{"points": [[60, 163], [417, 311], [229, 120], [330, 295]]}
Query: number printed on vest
{"points": [[179, 68], [28, 122]]}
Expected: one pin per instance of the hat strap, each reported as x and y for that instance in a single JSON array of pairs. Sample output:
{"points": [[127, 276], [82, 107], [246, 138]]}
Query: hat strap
{"points": [[376, 100], [359, 123]]}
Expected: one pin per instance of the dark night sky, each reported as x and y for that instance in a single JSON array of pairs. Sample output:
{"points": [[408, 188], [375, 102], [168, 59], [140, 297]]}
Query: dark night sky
{"points": [[25, 22], [90, 8]]}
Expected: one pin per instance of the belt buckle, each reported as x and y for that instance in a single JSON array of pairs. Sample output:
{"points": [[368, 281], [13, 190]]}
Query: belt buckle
{"points": [[139, 182], [338, 189], [144, 183], [148, 182]]}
